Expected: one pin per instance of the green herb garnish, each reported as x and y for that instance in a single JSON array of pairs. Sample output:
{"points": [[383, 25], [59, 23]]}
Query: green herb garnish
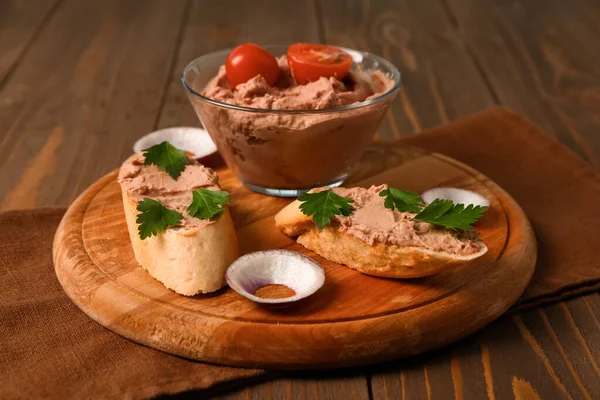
{"points": [[167, 158], [440, 212], [402, 200], [207, 203], [447, 214], [323, 206], [154, 218]]}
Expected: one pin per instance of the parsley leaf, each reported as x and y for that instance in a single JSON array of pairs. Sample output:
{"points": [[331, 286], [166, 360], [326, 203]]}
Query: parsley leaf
{"points": [[402, 200], [446, 213], [324, 205], [207, 203], [155, 218], [167, 158]]}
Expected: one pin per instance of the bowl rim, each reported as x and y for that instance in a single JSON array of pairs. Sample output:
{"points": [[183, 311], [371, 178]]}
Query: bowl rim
{"points": [[377, 99]]}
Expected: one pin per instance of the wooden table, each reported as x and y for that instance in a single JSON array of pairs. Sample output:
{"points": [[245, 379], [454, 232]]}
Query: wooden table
{"points": [[81, 80]]}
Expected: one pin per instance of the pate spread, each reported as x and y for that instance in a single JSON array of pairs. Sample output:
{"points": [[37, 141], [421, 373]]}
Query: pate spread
{"points": [[293, 150], [287, 95], [141, 181], [372, 223]]}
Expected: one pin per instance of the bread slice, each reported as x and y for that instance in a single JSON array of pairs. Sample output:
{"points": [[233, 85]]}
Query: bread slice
{"points": [[384, 260], [188, 260]]}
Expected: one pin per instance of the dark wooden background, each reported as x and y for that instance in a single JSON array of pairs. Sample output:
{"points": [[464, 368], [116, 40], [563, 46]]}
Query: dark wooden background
{"points": [[81, 80]]}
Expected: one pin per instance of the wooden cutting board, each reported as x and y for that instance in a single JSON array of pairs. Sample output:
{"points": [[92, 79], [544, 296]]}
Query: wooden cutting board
{"points": [[353, 319]]}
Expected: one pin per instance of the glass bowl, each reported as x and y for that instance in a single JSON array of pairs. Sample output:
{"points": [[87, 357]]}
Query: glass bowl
{"points": [[288, 152]]}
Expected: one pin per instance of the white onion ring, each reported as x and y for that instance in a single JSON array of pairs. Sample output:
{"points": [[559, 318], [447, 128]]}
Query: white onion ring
{"points": [[458, 196], [275, 267], [193, 140]]}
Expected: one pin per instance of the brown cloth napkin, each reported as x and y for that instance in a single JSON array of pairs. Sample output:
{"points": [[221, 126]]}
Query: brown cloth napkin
{"points": [[559, 192], [50, 349]]}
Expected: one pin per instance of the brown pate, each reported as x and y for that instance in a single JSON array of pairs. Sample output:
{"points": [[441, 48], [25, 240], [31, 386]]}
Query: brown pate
{"points": [[286, 150], [141, 181], [372, 223]]}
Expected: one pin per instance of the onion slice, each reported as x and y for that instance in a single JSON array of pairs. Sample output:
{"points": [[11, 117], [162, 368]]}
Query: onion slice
{"points": [[458, 196], [275, 267], [193, 140]]}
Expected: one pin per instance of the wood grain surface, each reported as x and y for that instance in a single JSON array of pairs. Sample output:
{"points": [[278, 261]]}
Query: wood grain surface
{"points": [[59, 122], [335, 327]]}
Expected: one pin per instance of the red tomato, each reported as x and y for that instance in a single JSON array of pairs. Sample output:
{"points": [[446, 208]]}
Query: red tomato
{"points": [[249, 60], [309, 62]]}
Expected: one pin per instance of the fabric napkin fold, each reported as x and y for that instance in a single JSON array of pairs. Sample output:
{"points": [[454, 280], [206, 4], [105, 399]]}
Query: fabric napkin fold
{"points": [[51, 349], [559, 192]]}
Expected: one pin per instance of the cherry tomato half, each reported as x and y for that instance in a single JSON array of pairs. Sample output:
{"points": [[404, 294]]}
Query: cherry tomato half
{"points": [[309, 62], [249, 60]]}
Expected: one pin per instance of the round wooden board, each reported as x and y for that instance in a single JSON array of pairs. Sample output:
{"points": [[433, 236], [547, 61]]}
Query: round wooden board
{"points": [[354, 319]]}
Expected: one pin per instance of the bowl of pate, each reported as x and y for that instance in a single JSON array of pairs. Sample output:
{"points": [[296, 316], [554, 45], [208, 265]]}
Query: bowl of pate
{"points": [[287, 138]]}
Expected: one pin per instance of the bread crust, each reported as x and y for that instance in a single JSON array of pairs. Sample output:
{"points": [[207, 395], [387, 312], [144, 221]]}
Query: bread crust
{"points": [[383, 260], [186, 260]]}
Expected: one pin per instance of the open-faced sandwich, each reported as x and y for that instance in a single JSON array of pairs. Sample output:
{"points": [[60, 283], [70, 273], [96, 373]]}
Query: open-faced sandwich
{"points": [[384, 231], [180, 228]]}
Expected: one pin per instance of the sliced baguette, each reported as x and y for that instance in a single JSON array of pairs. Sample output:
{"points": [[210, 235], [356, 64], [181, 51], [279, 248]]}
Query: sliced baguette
{"points": [[186, 260], [389, 261]]}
